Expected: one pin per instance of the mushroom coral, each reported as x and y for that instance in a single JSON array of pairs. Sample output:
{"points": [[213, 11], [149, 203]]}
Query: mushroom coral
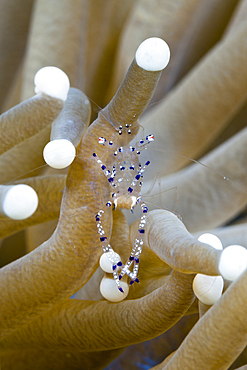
{"points": [[198, 110]]}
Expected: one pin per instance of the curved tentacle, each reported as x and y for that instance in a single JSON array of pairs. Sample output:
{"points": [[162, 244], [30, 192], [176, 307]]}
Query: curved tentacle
{"points": [[14, 31], [50, 191], [27, 119], [229, 235], [183, 124], [168, 238], [73, 250], [89, 326], [220, 335], [48, 46]]}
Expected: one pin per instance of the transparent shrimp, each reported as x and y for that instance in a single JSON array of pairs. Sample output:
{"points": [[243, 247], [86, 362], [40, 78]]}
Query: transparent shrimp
{"points": [[125, 176]]}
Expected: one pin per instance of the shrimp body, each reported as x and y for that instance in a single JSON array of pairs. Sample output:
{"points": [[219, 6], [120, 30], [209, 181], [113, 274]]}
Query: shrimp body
{"points": [[125, 177]]}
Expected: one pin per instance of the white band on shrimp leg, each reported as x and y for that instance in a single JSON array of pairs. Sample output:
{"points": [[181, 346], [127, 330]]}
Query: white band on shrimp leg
{"points": [[153, 54], [53, 82], [18, 201]]}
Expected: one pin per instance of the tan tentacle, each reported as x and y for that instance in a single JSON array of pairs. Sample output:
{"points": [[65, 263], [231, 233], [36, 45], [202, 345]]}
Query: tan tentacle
{"points": [[183, 124], [27, 119], [14, 27], [50, 191], [219, 336], [90, 326], [191, 36], [106, 18], [168, 238], [25, 159], [239, 16], [57, 360], [73, 250], [204, 202], [229, 235], [48, 46]]}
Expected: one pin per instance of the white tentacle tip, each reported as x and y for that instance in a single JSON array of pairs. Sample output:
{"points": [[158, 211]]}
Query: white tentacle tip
{"points": [[212, 240], [233, 262], [153, 54], [20, 202], [208, 289], [107, 260], [110, 291], [53, 82], [59, 153]]}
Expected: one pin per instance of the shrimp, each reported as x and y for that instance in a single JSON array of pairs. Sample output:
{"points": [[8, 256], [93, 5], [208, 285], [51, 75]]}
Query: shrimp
{"points": [[125, 177]]}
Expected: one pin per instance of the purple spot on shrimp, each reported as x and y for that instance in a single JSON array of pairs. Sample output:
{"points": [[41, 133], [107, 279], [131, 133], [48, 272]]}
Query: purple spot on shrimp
{"points": [[103, 238], [130, 190], [131, 282], [120, 277], [137, 280], [141, 231], [137, 260], [94, 155], [147, 163], [120, 263], [131, 258], [103, 167], [114, 267], [121, 289]]}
